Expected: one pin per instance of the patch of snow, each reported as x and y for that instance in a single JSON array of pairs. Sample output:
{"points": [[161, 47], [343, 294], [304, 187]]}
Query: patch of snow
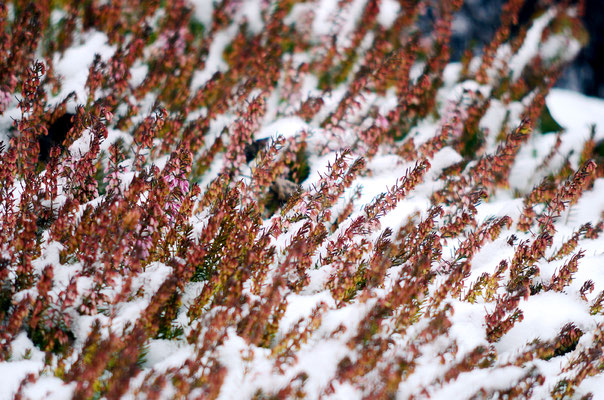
{"points": [[530, 46], [73, 65], [389, 10], [214, 61]]}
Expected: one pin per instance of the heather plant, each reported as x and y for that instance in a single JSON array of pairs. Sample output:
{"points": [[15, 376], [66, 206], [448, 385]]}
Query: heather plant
{"points": [[284, 199]]}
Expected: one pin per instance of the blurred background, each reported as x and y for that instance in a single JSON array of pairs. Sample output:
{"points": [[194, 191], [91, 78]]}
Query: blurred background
{"points": [[479, 19]]}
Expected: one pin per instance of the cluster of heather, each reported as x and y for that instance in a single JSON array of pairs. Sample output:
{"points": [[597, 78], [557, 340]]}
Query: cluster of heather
{"points": [[275, 199]]}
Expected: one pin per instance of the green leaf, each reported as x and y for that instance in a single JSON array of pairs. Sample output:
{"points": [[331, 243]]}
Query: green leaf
{"points": [[547, 123]]}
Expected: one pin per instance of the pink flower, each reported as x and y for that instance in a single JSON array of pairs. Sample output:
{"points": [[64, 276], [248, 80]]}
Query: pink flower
{"points": [[179, 186], [5, 98]]}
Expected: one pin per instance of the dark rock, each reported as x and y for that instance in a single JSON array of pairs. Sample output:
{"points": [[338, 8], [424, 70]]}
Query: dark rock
{"points": [[279, 193], [282, 190], [599, 149], [251, 150], [57, 133], [586, 73]]}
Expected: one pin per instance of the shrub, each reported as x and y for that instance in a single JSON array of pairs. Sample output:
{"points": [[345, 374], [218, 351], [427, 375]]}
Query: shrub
{"points": [[155, 205]]}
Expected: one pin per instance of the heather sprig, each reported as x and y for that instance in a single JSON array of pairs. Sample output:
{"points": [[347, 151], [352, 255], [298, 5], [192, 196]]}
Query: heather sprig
{"points": [[170, 211]]}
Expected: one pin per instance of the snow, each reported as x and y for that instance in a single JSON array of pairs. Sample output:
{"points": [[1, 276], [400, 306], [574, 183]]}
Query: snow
{"points": [[50, 388], [285, 127], [203, 11], [301, 306], [592, 384], [251, 11], [389, 10], [530, 45], [25, 359], [138, 73], [214, 61], [74, 63], [544, 316], [250, 367], [576, 112], [351, 16], [323, 12]]}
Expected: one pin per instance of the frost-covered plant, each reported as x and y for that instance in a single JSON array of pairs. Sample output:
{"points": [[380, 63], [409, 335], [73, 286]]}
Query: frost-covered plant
{"points": [[170, 212]]}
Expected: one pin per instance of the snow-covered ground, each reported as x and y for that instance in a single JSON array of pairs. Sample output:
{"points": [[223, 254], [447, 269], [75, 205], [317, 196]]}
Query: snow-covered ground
{"points": [[315, 344]]}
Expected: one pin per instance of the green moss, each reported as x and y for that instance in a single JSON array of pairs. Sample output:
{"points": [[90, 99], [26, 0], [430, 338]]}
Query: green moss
{"points": [[167, 329], [6, 295], [141, 359], [99, 175], [152, 37], [562, 390], [208, 267], [325, 81], [45, 338], [599, 149], [299, 170], [472, 141], [360, 283], [196, 27], [547, 123], [343, 69], [228, 51]]}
